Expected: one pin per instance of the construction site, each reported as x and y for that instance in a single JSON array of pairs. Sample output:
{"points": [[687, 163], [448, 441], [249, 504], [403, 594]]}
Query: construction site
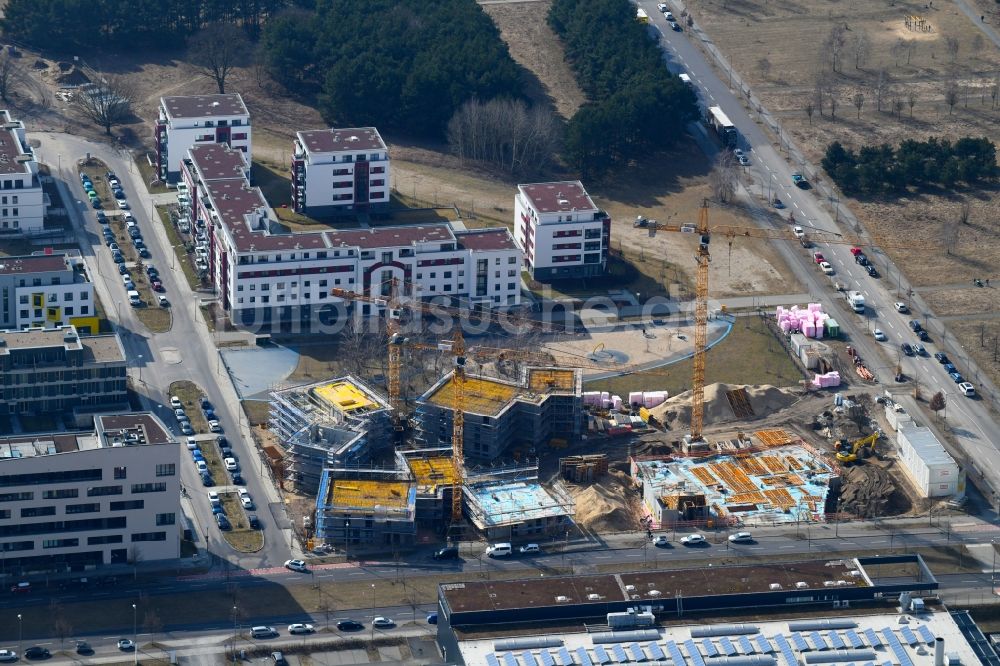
{"points": [[520, 450]]}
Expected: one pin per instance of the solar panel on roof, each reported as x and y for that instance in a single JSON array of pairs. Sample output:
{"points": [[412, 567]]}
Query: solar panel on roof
{"points": [[619, 653], [491, 660], [763, 644], [583, 658], [745, 645], [601, 654], [636, 652], [675, 654], [902, 656], [909, 636], [564, 658], [818, 641], [835, 640], [657, 651], [925, 633], [509, 660], [693, 653], [528, 659], [872, 638], [727, 646], [854, 639], [786, 651], [546, 658], [710, 649], [799, 642]]}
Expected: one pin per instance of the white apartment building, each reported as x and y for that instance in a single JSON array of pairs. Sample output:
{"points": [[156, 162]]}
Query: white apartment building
{"points": [[22, 201], [77, 501], [338, 170], [263, 273], [46, 290], [563, 234], [190, 120]]}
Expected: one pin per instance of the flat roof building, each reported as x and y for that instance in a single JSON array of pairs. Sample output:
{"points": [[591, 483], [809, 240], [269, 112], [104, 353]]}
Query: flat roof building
{"points": [[510, 503], [46, 290], [23, 204], [77, 501], [926, 463], [339, 171], [185, 121]]}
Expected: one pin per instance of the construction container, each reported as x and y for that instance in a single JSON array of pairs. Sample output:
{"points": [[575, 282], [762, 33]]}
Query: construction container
{"points": [[799, 342], [929, 467], [897, 416], [831, 328]]}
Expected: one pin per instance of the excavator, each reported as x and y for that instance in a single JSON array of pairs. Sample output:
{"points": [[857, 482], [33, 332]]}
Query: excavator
{"points": [[849, 452]]}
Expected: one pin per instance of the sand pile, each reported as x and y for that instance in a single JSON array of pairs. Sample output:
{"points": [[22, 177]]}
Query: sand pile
{"points": [[603, 506], [764, 398]]}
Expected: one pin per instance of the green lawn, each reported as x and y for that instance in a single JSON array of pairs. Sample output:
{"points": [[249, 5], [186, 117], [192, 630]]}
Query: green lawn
{"points": [[148, 174]]}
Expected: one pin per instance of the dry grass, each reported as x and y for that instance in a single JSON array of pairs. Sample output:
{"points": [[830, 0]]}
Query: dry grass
{"points": [[179, 248]]}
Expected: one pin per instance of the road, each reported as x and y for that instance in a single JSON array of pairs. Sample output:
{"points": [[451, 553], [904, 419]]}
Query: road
{"points": [[185, 352], [969, 419]]}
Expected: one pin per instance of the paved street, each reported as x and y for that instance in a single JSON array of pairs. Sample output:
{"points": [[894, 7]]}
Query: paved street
{"points": [[969, 419], [185, 352]]}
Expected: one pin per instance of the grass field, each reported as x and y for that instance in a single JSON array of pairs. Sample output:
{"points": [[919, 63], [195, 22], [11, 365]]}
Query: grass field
{"points": [[179, 248], [750, 354], [241, 537], [148, 175]]}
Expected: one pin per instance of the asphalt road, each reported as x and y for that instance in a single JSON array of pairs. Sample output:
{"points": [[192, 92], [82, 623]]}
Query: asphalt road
{"points": [[968, 418], [185, 352]]}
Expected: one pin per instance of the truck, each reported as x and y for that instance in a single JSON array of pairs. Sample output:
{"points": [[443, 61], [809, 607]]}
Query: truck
{"points": [[857, 301], [641, 16], [724, 127]]}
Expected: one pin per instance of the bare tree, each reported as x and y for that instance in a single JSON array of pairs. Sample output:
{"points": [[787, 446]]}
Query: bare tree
{"points": [[911, 100], [859, 101], [217, 49], [949, 237], [764, 67], [952, 47], [107, 103], [951, 95], [61, 626], [152, 623], [504, 132], [898, 49], [724, 176], [833, 104], [880, 87], [260, 71], [810, 110], [862, 48], [821, 85], [897, 105], [964, 212], [977, 43], [12, 75], [834, 45], [909, 47]]}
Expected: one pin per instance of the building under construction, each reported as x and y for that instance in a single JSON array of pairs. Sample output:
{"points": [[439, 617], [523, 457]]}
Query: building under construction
{"points": [[544, 405], [333, 423], [511, 503]]}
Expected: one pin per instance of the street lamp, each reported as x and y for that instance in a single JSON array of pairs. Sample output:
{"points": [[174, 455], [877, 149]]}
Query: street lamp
{"points": [[135, 636], [20, 635], [236, 632], [373, 611]]}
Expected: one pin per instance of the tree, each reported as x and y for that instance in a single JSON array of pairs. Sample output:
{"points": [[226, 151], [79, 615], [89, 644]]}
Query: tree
{"points": [[724, 176], [977, 43], [952, 46], [995, 91], [152, 623], [911, 100], [951, 95], [108, 103], [862, 48], [898, 49], [964, 212], [859, 101], [506, 133], [12, 75], [60, 625], [897, 105], [834, 45], [937, 402], [833, 104], [217, 49], [764, 67], [810, 109], [880, 87]]}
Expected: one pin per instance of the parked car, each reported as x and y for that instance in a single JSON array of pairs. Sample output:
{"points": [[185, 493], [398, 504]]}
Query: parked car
{"points": [[879, 335], [446, 553], [906, 349], [223, 522], [915, 326], [967, 389], [826, 267], [941, 357], [676, 27], [83, 647], [254, 522], [238, 479], [693, 540], [144, 253], [741, 537], [186, 428], [215, 426], [919, 350], [661, 541], [37, 652], [207, 480], [818, 257], [901, 307], [8, 656], [350, 625], [297, 565], [247, 503], [126, 644], [957, 377], [381, 622], [162, 300], [123, 204], [872, 271], [279, 659], [432, 618]]}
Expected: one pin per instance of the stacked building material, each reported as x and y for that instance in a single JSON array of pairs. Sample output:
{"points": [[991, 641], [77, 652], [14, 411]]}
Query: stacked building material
{"points": [[810, 321], [828, 380]]}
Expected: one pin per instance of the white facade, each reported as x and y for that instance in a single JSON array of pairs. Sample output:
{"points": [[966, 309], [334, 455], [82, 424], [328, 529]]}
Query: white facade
{"points": [[46, 290], [22, 201], [339, 170], [186, 121], [79, 501], [931, 469], [562, 232]]}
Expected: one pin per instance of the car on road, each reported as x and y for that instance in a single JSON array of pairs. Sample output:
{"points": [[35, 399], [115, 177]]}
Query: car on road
{"points": [[799, 232], [915, 326], [350, 625], [950, 368], [693, 540], [446, 553], [162, 300], [530, 549], [247, 503], [300, 628], [818, 257], [941, 357], [432, 618], [967, 389], [279, 659], [37, 652], [192, 443], [779, 204], [381, 622], [661, 541], [676, 27], [743, 160], [122, 203], [906, 349], [738, 153], [901, 307], [83, 647], [919, 350], [254, 522], [126, 644], [296, 565], [799, 181], [207, 480], [499, 550], [8, 655], [223, 522], [741, 537], [922, 336], [215, 426], [879, 335], [263, 632], [826, 267], [872, 271], [957, 377]]}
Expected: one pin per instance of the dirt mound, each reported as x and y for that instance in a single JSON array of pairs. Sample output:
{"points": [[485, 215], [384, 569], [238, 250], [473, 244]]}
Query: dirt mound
{"points": [[604, 506], [40, 65], [73, 77], [868, 490], [764, 399]]}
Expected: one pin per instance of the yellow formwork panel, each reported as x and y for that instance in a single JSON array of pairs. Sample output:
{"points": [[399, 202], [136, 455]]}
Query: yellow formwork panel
{"points": [[482, 396], [540, 381], [359, 494], [773, 437], [344, 396], [432, 471]]}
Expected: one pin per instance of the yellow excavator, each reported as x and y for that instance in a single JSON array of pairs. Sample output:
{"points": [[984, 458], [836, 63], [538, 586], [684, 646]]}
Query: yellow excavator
{"points": [[848, 452]]}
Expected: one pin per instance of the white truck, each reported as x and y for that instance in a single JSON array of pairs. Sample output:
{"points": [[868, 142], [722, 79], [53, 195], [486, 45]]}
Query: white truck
{"points": [[857, 301]]}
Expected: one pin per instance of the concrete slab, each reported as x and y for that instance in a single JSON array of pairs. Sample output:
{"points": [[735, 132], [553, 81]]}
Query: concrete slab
{"points": [[257, 371]]}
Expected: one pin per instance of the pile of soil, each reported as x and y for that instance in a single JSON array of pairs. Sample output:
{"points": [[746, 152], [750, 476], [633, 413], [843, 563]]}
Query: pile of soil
{"points": [[74, 77], [868, 490], [606, 505], [764, 398]]}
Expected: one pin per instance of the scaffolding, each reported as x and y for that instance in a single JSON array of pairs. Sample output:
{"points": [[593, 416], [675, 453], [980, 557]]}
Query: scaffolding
{"points": [[512, 496], [483, 396]]}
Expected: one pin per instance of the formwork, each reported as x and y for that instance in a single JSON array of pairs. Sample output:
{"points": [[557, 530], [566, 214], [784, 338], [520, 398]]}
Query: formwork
{"points": [[511, 502], [345, 397], [347, 495], [547, 379]]}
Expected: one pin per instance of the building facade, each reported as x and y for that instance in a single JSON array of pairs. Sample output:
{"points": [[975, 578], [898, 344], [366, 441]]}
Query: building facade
{"points": [[264, 273], [931, 469], [73, 502], [563, 234], [339, 170], [54, 370], [46, 290], [189, 120], [22, 202]]}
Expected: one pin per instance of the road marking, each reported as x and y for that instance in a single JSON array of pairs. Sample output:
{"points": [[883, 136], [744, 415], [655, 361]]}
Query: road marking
{"points": [[602, 557], [786, 547]]}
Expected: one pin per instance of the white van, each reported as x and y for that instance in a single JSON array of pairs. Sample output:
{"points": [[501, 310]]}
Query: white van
{"points": [[500, 550], [263, 632], [134, 299]]}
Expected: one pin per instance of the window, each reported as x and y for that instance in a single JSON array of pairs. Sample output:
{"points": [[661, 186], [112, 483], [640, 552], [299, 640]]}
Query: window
{"points": [[83, 508], [128, 505], [36, 511], [24, 299], [99, 540], [4, 514], [149, 487], [149, 536], [62, 493], [120, 472], [83, 296], [165, 519], [166, 469], [17, 497], [17, 545], [510, 285], [84, 309], [60, 543], [101, 491]]}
